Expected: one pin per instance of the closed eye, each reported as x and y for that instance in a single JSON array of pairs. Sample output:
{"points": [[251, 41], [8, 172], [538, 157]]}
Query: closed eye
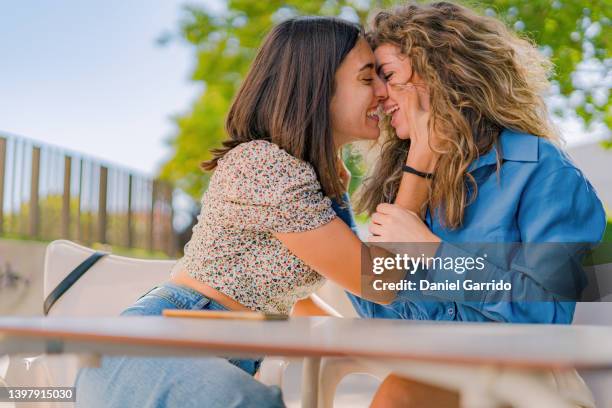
{"points": [[387, 76]]}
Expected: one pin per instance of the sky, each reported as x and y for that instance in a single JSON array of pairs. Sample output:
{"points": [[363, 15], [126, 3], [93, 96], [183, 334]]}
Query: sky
{"points": [[89, 76]]}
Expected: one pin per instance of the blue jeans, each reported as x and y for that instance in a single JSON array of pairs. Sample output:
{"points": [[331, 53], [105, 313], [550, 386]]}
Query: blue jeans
{"points": [[184, 382]]}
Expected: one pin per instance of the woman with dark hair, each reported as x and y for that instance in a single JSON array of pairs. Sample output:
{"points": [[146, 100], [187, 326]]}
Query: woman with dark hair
{"points": [[267, 235]]}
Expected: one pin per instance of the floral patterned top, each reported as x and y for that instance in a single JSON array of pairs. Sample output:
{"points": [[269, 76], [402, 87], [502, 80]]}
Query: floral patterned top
{"points": [[257, 189]]}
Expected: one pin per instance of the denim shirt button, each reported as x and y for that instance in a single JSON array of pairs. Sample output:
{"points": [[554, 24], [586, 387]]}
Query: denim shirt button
{"points": [[451, 310]]}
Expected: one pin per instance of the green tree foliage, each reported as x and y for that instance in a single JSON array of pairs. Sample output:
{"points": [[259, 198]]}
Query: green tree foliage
{"points": [[569, 30]]}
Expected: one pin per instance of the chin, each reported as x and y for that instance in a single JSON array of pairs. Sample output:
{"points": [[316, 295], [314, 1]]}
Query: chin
{"points": [[402, 135], [402, 131]]}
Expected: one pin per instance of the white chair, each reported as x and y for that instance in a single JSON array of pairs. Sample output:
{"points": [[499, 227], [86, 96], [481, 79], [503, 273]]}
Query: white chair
{"points": [[97, 294], [108, 287]]}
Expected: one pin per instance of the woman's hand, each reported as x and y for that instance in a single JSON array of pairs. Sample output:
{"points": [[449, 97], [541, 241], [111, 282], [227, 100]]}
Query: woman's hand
{"points": [[416, 110], [392, 223]]}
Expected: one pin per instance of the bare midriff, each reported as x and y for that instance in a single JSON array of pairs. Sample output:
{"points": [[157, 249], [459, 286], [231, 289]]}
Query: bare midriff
{"points": [[182, 278]]}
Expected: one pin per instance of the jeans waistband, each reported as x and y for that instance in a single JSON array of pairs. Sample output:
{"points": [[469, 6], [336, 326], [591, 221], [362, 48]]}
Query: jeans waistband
{"points": [[185, 297]]}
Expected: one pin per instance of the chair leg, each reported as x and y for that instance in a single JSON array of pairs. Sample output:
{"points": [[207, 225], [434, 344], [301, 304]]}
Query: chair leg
{"points": [[310, 382], [4, 365], [333, 370], [272, 370]]}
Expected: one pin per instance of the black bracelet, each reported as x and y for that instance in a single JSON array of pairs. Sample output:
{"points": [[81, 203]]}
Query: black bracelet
{"points": [[414, 171]]}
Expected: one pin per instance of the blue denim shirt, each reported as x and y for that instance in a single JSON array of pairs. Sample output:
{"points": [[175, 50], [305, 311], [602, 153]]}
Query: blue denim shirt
{"points": [[537, 196]]}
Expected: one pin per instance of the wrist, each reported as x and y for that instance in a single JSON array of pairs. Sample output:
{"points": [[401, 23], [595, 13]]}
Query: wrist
{"points": [[422, 162], [412, 170]]}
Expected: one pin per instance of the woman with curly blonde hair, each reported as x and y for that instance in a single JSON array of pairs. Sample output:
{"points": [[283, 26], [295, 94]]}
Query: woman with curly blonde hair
{"points": [[476, 76], [465, 102]]}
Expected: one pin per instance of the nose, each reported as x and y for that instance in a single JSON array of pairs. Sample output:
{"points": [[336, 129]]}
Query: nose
{"points": [[380, 89]]}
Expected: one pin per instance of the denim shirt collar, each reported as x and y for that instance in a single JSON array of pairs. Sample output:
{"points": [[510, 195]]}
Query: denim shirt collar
{"points": [[515, 146]]}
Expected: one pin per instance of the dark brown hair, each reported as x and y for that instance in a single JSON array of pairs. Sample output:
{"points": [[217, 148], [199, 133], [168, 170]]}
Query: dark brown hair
{"points": [[286, 95]]}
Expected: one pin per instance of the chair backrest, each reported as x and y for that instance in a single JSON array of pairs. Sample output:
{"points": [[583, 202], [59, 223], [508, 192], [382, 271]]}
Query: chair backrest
{"points": [[108, 287], [332, 296]]}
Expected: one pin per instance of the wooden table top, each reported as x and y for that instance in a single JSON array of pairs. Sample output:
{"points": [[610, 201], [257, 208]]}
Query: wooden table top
{"points": [[537, 346]]}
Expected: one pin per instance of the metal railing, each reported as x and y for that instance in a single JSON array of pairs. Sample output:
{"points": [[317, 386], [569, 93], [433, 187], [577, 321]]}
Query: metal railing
{"points": [[48, 193]]}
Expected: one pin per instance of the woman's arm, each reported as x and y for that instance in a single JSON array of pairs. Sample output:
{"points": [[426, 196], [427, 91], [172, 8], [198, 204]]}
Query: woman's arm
{"points": [[413, 191], [331, 249], [334, 251]]}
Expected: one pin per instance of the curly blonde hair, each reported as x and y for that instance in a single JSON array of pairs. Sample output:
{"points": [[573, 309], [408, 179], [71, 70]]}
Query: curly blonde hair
{"points": [[482, 78]]}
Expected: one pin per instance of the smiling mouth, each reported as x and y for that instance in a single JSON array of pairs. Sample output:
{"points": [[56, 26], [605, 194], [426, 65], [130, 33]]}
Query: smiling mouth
{"points": [[392, 110], [374, 114]]}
